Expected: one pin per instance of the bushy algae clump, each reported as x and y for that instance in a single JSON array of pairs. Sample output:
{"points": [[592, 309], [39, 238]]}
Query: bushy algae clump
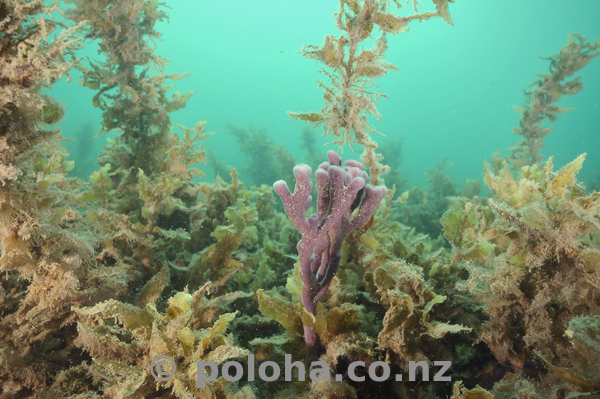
{"points": [[351, 66], [546, 92], [46, 247], [123, 352]]}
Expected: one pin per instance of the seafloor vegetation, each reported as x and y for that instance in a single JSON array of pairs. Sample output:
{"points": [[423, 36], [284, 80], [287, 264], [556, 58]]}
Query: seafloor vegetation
{"points": [[145, 259]]}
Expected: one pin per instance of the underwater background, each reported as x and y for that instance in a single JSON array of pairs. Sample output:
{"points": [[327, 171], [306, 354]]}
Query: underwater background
{"points": [[455, 88], [338, 182]]}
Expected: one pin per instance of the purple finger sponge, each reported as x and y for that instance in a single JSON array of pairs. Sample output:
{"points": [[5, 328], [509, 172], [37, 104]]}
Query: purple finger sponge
{"points": [[345, 202]]}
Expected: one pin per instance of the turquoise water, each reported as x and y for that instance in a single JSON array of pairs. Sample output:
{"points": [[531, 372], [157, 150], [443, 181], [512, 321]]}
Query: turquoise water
{"points": [[452, 97]]}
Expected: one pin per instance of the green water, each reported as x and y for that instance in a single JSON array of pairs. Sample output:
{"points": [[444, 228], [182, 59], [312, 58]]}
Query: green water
{"points": [[452, 97]]}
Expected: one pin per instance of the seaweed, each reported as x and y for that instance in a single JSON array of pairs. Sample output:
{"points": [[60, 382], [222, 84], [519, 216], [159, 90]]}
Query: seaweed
{"points": [[350, 67], [266, 162], [543, 273], [124, 348], [425, 207], [99, 278], [47, 248], [549, 89]]}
